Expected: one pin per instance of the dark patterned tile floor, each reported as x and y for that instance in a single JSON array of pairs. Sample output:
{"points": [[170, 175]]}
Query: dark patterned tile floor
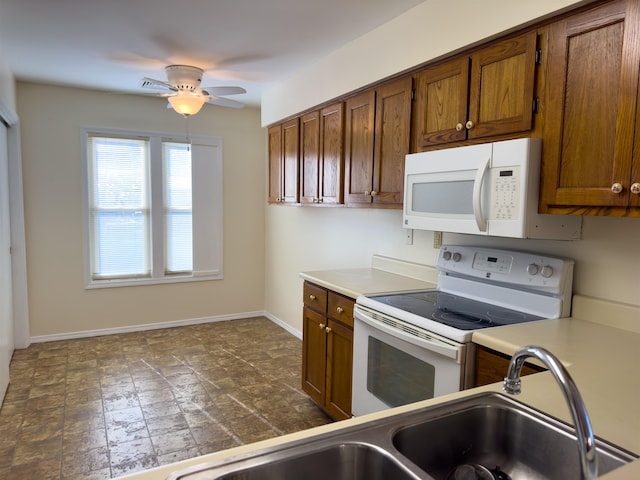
{"points": [[101, 407]]}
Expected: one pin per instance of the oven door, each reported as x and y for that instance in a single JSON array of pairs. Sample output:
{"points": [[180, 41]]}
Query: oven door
{"points": [[396, 363]]}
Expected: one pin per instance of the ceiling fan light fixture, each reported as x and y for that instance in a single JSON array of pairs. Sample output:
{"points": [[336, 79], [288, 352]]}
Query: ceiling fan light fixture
{"points": [[186, 103]]}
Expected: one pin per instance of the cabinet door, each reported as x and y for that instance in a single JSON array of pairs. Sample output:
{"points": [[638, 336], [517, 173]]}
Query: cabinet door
{"points": [[591, 93], [339, 370], [392, 141], [314, 350], [309, 157], [492, 367], [290, 160], [331, 171], [501, 87], [275, 163], [359, 138], [440, 110]]}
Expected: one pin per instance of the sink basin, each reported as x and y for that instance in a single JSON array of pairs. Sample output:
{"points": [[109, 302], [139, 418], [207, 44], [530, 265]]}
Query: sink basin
{"points": [[426, 444], [351, 461], [343, 461], [521, 442]]}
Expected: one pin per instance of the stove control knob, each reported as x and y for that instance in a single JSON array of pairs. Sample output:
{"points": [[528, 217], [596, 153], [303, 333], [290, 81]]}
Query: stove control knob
{"points": [[457, 257], [532, 269], [446, 255], [546, 271]]}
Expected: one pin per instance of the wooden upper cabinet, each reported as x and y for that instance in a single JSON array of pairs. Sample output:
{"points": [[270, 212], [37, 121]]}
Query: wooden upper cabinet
{"points": [[359, 129], [322, 156], [309, 157], [442, 96], [392, 141], [590, 120], [275, 163], [377, 138], [283, 162], [485, 94]]}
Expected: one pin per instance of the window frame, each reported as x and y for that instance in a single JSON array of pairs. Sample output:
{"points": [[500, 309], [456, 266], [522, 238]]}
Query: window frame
{"points": [[207, 208]]}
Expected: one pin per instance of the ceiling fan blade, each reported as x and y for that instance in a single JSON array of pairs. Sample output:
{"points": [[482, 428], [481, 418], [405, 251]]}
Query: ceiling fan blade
{"points": [[223, 90], [225, 102], [147, 82]]}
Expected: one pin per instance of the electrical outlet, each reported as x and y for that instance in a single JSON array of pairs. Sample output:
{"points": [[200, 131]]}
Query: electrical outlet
{"points": [[437, 239], [408, 236]]}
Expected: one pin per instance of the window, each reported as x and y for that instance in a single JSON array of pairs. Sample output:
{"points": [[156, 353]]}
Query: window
{"points": [[153, 208]]}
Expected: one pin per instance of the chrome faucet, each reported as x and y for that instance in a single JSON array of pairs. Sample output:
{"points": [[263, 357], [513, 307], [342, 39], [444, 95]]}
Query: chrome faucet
{"points": [[584, 432]]}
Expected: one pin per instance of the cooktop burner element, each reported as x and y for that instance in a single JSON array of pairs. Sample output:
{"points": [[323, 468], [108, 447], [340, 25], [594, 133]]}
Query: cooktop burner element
{"points": [[453, 310]]}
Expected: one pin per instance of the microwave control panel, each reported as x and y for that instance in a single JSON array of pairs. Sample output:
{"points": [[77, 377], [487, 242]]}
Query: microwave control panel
{"points": [[505, 193]]}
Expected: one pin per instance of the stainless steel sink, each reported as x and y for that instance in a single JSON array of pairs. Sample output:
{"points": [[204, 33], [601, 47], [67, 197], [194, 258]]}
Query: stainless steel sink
{"points": [[344, 461], [488, 429], [518, 441]]}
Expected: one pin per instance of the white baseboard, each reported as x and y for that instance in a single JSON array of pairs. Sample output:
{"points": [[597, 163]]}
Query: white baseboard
{"points": [[157, 326], [286, 326]]}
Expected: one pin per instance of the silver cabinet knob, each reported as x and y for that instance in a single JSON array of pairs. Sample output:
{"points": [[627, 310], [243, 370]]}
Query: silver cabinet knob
{"points": [[617, 188], [635, 188], [322, 325], [367, 193], [459, 127], [328, 329], [469, 125], [374, 193], [339, 309], [312, 297]]}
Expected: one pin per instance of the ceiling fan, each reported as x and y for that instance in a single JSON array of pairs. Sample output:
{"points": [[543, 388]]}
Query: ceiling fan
{"points": [[183, 91]]}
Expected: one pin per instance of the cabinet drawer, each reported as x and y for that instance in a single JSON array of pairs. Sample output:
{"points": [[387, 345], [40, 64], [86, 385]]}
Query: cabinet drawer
{"points": [[341, 308], [315, 297]]}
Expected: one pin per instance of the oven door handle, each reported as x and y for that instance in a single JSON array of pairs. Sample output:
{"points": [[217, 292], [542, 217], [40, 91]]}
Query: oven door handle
{"points": [[433, 344]]}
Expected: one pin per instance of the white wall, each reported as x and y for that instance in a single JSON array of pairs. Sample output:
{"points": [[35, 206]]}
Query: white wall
{"points": [[426, 32], [51, 118], [306, 238]]}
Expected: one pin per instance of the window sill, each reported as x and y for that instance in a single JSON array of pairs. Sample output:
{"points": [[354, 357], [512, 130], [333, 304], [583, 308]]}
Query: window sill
{"points": [[195, 277]]}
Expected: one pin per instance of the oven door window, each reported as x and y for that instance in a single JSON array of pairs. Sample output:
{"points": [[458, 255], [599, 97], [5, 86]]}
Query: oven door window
{"points": [[397, 378]]}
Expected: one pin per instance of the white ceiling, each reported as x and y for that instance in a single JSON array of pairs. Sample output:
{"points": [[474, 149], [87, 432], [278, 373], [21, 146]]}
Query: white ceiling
{"points": [[112, 44]]}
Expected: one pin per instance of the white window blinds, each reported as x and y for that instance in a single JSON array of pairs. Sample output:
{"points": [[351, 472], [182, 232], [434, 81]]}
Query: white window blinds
{"points": [[119, 208], [177, 208], [153, 208]]}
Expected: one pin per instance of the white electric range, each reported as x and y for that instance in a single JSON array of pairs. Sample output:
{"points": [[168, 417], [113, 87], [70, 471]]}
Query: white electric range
{"points": [[417, 345]]}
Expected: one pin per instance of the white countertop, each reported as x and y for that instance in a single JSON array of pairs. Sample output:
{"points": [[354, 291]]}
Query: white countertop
{"points": [[382, 278], [603, 361]]}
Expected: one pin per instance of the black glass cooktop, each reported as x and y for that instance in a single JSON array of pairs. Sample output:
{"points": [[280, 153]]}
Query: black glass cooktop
{"points": [[453, 310]]}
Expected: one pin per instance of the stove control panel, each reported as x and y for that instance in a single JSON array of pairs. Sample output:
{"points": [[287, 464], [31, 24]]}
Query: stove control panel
{"points": [[516, 269]]}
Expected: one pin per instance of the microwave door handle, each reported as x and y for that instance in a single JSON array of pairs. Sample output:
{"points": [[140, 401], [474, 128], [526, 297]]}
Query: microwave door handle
{"points": [[477, 196]]}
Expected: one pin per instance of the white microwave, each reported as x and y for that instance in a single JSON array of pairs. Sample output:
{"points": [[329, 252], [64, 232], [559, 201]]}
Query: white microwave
{"points": [[486, 189]]}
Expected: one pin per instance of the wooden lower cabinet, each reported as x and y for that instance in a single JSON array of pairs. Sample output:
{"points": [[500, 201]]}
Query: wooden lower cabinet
{"points": [[327, 349], [492, 366]]}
